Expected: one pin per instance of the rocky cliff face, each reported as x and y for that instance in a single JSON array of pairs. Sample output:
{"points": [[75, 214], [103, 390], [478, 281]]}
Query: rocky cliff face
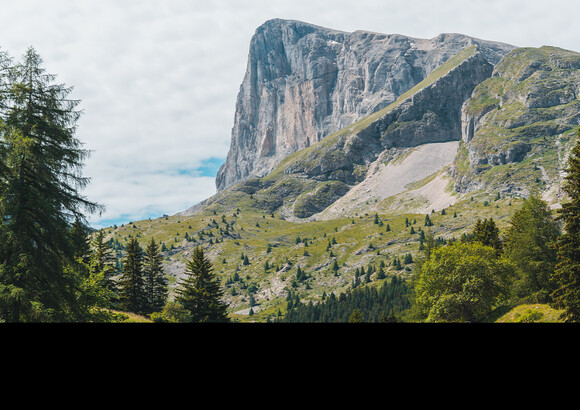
{"points": [[522, 118], [304, 82]]}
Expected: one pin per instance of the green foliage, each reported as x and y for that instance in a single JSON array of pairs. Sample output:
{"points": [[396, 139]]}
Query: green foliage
{"points": [[486, 232], [103, 260], [462, 282], [131, 289], [154, 280], [363, 304], [40, 178], [172, 312], [530, 246], [566, 277], [200, 292]]}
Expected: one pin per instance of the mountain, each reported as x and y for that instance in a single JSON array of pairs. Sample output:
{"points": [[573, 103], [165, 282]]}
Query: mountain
{"points": [[346, 144], [519, 125], [304, 82]]}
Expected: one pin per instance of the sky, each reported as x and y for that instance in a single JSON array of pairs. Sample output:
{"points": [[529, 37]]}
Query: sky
{"points": [[158, 79]]}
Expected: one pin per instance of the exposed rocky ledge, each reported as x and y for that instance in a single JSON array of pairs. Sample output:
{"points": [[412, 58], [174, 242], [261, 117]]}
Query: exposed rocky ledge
{"points": [[304, 82]]}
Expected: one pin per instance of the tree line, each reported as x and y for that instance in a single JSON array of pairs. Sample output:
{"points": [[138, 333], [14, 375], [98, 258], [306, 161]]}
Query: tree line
{"points": [[536, 260], [371, 304], [51, 268]]}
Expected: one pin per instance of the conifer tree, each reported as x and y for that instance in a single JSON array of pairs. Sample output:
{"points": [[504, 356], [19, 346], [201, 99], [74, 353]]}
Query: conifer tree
{"points": [[79, 234], [566, 277], [529, 244], [40, 177], [154, 280], [200, 292], [355, 317], [487, 233], [102, 258], [131, 289]]}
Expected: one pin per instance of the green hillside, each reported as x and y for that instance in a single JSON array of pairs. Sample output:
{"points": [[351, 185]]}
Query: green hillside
{"points": [[526, 117], [263, 253], [275, 248]]}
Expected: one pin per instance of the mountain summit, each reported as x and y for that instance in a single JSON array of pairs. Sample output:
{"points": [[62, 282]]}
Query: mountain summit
{"points": [[304, 82]]}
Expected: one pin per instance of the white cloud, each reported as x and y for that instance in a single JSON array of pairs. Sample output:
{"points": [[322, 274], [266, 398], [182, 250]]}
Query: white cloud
{"points": [[158, 79]]}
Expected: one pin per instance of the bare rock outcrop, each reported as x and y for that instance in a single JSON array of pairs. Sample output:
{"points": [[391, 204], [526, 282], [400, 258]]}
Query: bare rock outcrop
{"points": [[304, 82]]}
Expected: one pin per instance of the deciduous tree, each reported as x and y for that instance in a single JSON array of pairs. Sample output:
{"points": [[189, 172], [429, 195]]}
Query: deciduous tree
{"points": [[462, 282]]}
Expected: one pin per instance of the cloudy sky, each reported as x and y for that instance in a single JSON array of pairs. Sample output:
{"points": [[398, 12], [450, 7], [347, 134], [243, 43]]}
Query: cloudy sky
{"points": [[158, 79]]}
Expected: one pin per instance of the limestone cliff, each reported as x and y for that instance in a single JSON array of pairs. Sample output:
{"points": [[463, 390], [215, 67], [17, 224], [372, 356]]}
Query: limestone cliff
{"points": [[304, 82], [518, 125]]}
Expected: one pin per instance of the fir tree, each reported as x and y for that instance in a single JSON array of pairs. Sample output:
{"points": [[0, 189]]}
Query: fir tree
{"points": [[154, 280], [381, 273], [529, 244], [335, 266], [131, 290], [200, 293], [103, 260], [40, 178], [356, 317], [566, 277], [487, 233], [79, 234]]}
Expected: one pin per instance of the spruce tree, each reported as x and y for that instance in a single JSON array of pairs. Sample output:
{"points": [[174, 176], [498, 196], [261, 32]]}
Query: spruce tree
{"points": [[131, 284], [40, 177], [79, 234], [102, 259], [566, 277], [487, 233], [200, 292], [155, 281], [529, 244]]}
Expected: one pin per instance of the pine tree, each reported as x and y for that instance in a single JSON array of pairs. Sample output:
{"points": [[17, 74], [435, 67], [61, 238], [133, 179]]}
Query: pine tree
{"points": [[131, 290], [102, 259], [487, 233], [79, 234], [355, 317], [200, 293], [154, 280], [529, 244], [566, 277], [40, 178]]}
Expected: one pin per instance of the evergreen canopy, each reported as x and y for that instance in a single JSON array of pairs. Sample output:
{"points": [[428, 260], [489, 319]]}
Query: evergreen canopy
{"points": [[40, 178], [200, 292], [566, 277]]}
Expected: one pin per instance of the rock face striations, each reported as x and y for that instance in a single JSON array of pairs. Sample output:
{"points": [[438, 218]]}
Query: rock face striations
{"points": [[305, 82], [526, 113]]}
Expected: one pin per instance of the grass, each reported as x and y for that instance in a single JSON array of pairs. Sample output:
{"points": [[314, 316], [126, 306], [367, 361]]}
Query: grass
{"points": [[285, 245], [531, 313], [243, 221]]}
